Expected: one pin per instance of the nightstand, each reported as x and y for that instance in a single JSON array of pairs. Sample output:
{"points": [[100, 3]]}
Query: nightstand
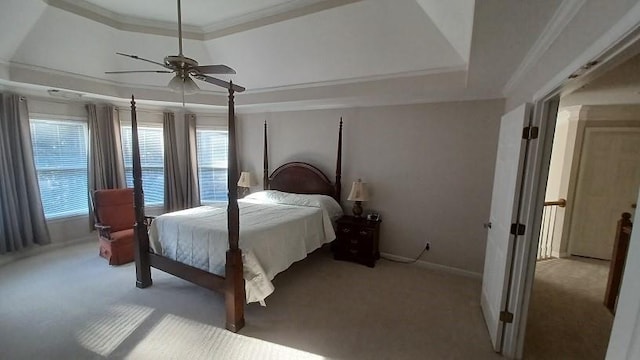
{"points": [[357, 240]]}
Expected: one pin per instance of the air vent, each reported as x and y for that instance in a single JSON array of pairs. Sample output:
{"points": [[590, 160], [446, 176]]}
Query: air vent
{"points": [[63, 94]]}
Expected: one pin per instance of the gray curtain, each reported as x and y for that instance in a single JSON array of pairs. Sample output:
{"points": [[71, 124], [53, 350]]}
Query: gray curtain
{"points": [[174, 195], [106, 164], [192, 191], [22, 221]]}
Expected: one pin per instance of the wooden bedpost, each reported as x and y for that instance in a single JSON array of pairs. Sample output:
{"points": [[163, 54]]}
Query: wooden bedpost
{"points": [[234, 293], [265, 165], [339, 164], [143, 269]]}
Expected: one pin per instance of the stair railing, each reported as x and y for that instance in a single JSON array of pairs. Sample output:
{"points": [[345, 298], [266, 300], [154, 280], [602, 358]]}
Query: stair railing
{"points": [[547, 231]]}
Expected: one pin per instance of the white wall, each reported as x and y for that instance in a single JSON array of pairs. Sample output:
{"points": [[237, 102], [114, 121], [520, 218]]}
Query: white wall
{"points": [[429, 168]]}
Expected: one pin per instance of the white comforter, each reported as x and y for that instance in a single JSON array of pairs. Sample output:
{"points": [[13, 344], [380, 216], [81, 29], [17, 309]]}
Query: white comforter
{"points": [[276, 230]]}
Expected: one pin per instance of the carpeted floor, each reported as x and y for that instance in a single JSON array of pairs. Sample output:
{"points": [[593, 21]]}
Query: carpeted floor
{"points": [[69, 304], [567, 319]]}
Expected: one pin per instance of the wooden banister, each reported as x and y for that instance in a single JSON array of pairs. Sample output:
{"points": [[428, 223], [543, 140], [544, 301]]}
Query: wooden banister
{"points": [[618, 259], [560, 203]]}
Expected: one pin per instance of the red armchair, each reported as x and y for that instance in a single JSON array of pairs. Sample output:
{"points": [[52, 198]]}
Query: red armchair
{"points": [[115, 218]]}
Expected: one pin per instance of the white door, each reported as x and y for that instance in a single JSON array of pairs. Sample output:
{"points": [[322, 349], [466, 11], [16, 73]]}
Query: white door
{"points": [[504, 211], [607, 186]]}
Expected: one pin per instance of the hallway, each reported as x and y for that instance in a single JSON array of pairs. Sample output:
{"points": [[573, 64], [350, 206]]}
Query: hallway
{"points": [[567, 318]]}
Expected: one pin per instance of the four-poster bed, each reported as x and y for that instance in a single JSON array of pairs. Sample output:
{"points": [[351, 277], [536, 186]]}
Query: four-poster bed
{"points": [[295, 177]]}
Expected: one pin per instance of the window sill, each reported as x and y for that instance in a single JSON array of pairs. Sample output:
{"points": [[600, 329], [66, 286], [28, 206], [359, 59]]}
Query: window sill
{"points": [[66, 218]]}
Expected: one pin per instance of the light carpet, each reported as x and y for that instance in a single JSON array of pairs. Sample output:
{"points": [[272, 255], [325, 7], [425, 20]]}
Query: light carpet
{"points": [[69, 304], [567, 318]]}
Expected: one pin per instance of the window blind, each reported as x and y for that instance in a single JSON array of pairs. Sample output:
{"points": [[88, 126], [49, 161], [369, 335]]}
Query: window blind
{"points": [[151, 143], [60, 155], [212, 153]]}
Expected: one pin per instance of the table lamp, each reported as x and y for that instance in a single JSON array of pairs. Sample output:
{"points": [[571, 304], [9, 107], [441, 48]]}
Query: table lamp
{"points": [[244, 184], [358, 194]]}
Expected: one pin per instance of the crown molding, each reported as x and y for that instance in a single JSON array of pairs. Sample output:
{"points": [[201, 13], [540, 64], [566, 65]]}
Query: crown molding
{"points": [[42, 71], [362, 79], [368, 102], [252, 20], [13, 66], [36, 80], [559, 21]]}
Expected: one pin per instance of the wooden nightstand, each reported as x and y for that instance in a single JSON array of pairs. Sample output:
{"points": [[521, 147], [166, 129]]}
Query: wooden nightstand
{"points": [[357, 240]]}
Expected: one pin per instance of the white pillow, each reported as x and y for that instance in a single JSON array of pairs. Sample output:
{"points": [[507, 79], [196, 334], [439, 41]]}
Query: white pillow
{"points": [[327, 203], [266, 196]]}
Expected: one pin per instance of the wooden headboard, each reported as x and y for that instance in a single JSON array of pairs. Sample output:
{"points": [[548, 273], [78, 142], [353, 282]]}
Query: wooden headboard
{"points": [[303, 178]]}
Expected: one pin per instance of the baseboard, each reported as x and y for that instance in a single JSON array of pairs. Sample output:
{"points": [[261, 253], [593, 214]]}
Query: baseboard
{"points": [[42, 249], [434, 266]]}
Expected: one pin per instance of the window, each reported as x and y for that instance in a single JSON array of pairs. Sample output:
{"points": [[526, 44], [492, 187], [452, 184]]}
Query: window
{"points": [[60, 155], [151, 159], [212, 164]]}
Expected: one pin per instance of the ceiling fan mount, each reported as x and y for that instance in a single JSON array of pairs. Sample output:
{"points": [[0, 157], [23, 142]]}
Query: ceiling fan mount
{"points": [[185, 68], [180, 62]]}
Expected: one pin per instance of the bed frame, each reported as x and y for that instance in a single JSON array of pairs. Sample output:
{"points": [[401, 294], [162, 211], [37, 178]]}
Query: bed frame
{"points": [[293, 177]]}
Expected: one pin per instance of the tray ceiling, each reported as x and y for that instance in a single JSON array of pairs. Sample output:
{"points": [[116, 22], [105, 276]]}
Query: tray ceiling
{"points": [[284, 51]]}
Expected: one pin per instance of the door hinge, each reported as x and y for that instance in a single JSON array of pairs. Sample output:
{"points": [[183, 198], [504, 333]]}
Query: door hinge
{"points": [[518, 229], [506, 317], [530, 132]]}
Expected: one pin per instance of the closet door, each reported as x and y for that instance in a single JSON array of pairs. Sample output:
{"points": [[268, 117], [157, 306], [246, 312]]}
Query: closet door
{"points": [[607, 185]]}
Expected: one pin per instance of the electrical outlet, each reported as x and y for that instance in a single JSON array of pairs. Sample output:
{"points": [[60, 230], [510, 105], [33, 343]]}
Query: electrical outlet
{"points": [[428, 246]]}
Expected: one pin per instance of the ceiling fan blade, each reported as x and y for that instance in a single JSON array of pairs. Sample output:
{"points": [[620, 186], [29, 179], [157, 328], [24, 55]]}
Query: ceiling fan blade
{"points": [[214, 69], [140, 71], [218, 82], [143, 59]]}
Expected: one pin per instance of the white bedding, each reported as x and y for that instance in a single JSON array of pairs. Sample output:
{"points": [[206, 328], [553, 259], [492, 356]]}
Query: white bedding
{"points": [[276, 230]]}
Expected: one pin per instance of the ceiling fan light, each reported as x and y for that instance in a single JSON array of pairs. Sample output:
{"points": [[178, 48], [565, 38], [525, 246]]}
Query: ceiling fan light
{"points": [[190, 87], [179, 84], [176, 84]]}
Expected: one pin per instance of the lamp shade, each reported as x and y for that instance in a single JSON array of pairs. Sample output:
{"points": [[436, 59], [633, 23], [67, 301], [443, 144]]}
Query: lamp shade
{"points": [[245, 179], [187, 84], [358, 191]]}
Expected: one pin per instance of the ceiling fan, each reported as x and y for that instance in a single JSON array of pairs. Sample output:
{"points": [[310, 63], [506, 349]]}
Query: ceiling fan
{"points": [[185, 68]]}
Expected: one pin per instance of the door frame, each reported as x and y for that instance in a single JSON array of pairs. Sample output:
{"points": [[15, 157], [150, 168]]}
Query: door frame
{"points": [[615, 46], [532, 206]]}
